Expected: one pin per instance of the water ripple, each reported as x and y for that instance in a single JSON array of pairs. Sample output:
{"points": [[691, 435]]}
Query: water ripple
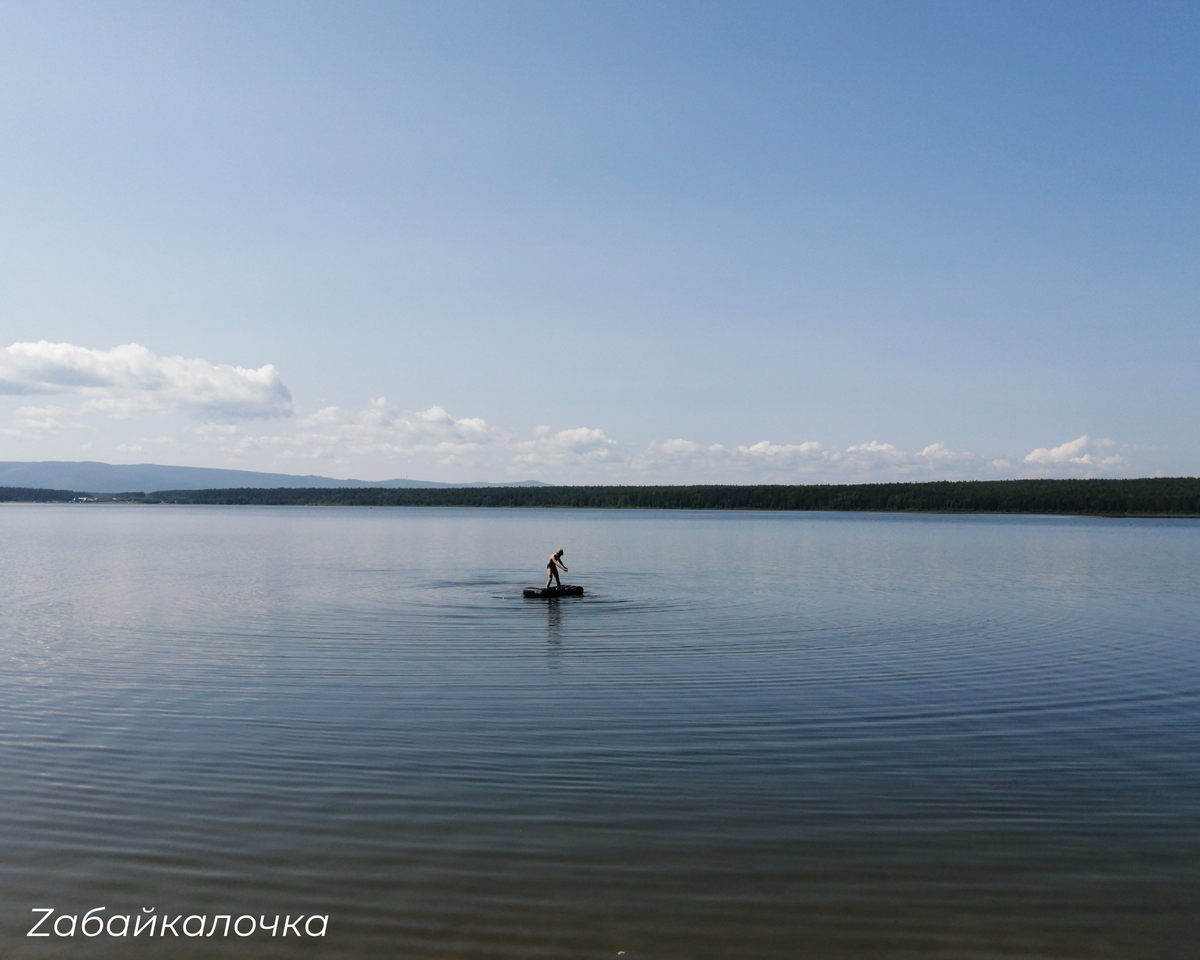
{"points": [[907, 738]]}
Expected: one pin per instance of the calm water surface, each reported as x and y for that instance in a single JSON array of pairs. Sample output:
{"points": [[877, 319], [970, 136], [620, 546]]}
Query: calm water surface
{"points": [[757, 735]]}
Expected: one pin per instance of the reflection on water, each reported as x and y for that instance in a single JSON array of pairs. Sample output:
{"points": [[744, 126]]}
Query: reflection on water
{"points": [[756, 735], [554, 628]]}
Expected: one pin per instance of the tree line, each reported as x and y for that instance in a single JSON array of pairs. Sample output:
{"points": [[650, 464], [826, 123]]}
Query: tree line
{"points": [[1149, 497], [37, 495], [1172, 496]]}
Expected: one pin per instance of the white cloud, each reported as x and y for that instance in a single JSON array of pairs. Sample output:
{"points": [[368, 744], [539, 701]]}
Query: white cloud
{"points": [[129, 379], [685, 461], [776, 452], [379, 441], [379, 429], [677, 453], [677, 448], [36, 423], [573, 448], [936, 458], [140, 445], [400, 442], [801, 462], [1082, 451], [423, 443]]}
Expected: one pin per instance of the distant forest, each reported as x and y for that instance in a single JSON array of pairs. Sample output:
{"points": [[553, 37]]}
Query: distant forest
{"points": [[1124, 498], [36, 495], [1157, 497]]}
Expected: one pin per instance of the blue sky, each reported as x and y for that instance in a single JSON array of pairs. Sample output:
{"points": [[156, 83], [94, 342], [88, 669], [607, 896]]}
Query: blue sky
{"points": [[602, 242]]}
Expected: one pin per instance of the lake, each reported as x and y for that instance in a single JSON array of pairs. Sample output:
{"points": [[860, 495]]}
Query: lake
{"points": [[758, 735]]}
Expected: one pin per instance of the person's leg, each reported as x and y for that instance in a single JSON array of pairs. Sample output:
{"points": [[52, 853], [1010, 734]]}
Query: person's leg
{"points": [[557, 579]]}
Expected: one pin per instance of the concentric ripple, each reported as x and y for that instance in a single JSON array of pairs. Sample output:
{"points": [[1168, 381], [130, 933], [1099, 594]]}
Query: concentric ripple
{"points": [[755, 735]]}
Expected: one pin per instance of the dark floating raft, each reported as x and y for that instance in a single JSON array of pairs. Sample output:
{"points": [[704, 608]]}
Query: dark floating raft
{"points": [[545, 593]]}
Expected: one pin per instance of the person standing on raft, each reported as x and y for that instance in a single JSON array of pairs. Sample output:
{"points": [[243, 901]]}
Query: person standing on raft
{"points": [[552, 568]]}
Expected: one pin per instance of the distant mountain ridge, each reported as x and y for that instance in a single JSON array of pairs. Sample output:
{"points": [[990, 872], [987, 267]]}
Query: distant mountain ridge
{"points": [[95, 477]]}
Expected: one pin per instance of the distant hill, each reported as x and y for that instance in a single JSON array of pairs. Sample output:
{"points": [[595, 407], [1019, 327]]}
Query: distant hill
{"points": [[97, 477]]}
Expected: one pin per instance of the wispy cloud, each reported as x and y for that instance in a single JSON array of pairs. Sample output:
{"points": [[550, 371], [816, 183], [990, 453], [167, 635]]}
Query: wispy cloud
{"points": [[129, 379]]}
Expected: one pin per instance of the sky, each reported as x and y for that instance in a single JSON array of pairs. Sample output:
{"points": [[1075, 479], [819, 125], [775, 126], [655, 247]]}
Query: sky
{"points": [[606, 242]]}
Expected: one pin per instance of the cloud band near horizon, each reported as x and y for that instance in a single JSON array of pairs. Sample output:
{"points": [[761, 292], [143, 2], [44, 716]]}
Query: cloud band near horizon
{"points": [[130, 383]]}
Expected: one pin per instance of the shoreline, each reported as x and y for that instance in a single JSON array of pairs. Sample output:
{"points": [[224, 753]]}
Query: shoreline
{"points": [[1148, 498]]}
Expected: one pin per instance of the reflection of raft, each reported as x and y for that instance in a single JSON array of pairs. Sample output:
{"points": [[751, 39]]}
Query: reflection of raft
{"points": [[543, 593]]}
